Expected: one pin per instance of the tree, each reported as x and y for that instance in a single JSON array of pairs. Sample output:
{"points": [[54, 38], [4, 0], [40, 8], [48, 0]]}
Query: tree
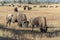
{"points": [[29, 2], [20, 1], [3, 3], [14, 1]]}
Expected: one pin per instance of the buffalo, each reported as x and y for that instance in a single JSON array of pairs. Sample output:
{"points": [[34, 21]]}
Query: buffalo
{"points": [[39, 22], [27, 7], [21, 19], [15, 9], [8, 19]]}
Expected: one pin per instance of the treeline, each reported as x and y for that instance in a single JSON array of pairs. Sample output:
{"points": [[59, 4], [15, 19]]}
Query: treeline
{"points": [[31, 2]]}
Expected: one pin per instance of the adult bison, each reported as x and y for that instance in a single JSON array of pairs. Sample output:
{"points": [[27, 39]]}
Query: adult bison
{"points": [[27, 7], [39, 22], [21, 19], [15, 9]]}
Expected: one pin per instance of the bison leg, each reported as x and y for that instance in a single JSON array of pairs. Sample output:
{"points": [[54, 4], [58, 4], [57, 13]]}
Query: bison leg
{"points": [[45, 29], [8, 23], [32, 27]]}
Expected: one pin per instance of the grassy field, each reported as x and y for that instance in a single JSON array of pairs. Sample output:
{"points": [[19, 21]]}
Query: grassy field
{"points": [[52, 15]]}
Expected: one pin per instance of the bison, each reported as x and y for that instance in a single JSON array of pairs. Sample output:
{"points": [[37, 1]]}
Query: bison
{"points": [[8, 19], [27, 7], [21, 19], [15, 9], [39, 22]]}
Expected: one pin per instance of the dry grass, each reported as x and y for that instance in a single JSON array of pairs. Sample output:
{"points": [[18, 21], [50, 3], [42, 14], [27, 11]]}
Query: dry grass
{"points": [[52, 15]]}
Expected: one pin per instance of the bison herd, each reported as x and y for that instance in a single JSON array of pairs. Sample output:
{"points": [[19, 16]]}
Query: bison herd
{"points": [[22, 21]]}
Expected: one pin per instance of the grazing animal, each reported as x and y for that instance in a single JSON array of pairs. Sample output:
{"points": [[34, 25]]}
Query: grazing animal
{"points": [[39, 22], [8, 19], [14, 18], [34, 6], [21, 19], [12, 5], [29, 8], [25, 7], [15, 9]]}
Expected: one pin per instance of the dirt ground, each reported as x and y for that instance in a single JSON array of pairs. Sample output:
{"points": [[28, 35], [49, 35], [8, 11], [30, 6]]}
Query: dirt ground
{"points": [[52, 15]]}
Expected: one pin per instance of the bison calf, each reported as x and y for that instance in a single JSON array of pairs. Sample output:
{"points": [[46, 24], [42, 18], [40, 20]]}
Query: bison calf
{"points": [[8, 19]]}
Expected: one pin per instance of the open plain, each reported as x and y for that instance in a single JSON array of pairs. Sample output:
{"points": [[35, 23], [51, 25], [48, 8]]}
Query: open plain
{"points": [[13, 32]]}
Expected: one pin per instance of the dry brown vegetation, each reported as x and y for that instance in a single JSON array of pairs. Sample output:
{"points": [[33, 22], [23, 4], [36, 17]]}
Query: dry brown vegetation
{"points": [[52, 15]]}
